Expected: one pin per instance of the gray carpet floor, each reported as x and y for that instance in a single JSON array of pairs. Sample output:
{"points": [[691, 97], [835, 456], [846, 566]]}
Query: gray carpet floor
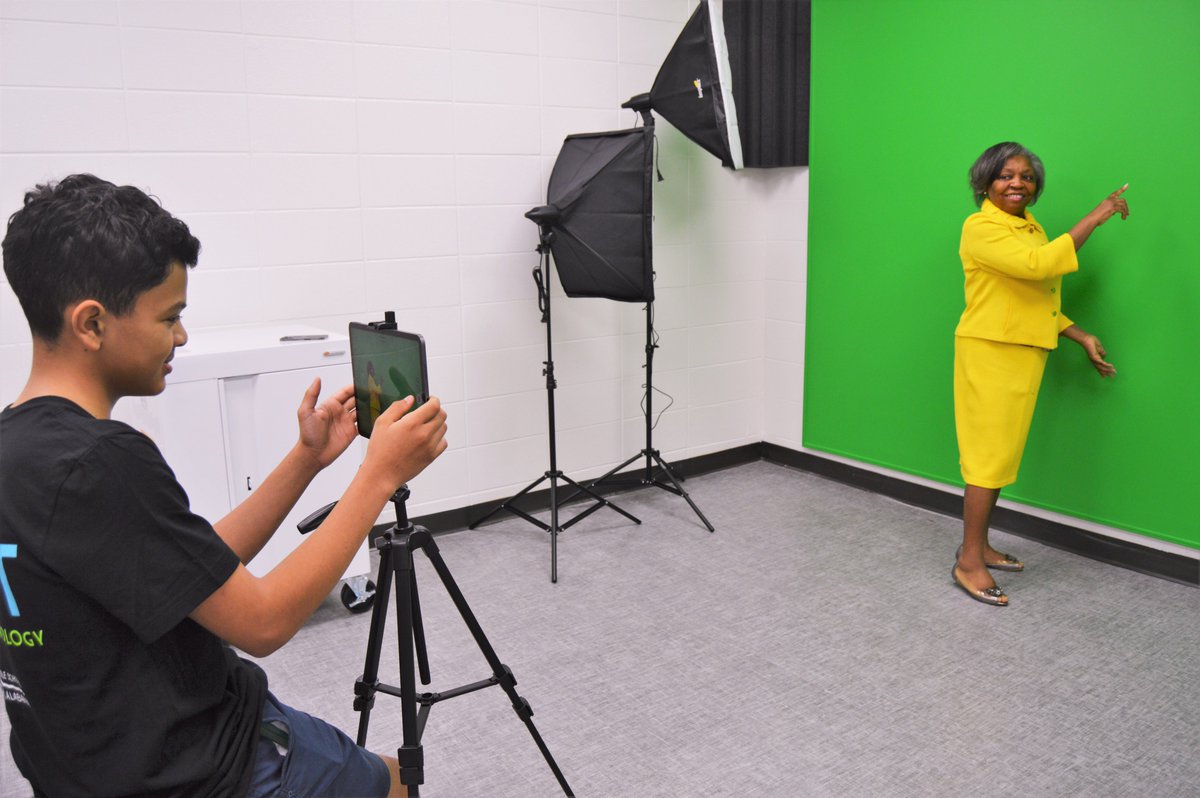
{"points": [[813, 646]]}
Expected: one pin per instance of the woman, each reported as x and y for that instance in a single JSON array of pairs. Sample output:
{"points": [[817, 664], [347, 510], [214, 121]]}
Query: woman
{"points": [[1012, 320]]}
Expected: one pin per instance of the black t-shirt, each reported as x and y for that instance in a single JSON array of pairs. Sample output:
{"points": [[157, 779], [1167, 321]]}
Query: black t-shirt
{"points": [[111, 689]]}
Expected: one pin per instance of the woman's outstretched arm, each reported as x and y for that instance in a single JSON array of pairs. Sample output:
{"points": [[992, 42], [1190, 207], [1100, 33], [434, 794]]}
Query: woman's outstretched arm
{"points": [[1111, 205]]}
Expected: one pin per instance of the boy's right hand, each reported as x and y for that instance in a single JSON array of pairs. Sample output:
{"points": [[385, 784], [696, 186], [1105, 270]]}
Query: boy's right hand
{"points": [[401, 446]]}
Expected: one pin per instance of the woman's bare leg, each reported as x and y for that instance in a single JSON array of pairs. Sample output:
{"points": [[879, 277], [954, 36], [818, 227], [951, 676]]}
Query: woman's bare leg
{"points": [[977, 516]]}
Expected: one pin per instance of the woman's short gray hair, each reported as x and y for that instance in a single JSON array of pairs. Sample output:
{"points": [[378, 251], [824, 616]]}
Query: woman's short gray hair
{"points": [[987, 167]]}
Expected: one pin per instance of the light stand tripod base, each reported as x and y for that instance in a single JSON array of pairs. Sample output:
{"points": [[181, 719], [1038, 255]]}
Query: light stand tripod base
{"points": [[541, 276], [554, 527], [650, 453], [508, 505], [615, 479]]}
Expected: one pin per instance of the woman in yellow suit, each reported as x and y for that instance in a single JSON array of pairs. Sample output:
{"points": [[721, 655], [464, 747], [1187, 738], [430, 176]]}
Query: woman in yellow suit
{"points": [[1013, 318]]}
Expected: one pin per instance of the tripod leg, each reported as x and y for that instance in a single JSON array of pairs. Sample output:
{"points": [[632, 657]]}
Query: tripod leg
{"points": [[419, 632], [364, 688], [600, 502], [604, 478], [554, 529], [410, 755], [503, 675], [679, 488], [507, 504]]}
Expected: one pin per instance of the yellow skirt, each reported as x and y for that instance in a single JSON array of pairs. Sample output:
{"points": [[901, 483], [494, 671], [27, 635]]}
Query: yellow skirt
{"points": [[995, 391]]}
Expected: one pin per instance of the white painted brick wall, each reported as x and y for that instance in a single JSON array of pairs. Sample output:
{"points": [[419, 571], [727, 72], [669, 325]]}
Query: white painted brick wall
{"points": [[339, 158]]}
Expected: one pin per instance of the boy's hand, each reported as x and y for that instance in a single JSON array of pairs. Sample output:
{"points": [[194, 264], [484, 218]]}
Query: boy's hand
{"points": [[326, 429], [401, 447]]}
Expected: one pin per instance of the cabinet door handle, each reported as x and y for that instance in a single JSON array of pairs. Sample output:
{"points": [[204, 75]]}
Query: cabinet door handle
{"points": [[248, 488]]}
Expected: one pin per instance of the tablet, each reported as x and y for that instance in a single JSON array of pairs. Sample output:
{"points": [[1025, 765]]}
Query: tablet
{"points": [[388, 365]]}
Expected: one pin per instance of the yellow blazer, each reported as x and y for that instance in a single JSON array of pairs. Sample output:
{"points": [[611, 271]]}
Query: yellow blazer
{"points": [[1013, 281]]}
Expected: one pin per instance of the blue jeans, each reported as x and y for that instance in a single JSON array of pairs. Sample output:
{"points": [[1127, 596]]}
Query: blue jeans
{"points": [[320, 761]]}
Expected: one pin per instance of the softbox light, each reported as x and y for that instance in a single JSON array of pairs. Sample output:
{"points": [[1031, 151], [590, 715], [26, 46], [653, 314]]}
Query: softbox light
{"points": [[736, 81], [599, 208]]}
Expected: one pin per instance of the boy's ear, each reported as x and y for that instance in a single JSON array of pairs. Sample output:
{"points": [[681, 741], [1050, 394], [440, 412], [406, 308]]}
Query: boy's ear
{"points": [[85, 323]]}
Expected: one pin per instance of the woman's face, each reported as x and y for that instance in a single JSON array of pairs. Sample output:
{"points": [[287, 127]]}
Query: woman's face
{"points": [[1014, 187]]}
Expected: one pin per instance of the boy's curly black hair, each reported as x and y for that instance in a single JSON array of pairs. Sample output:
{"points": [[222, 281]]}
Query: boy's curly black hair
{"points": [[86, 238]]}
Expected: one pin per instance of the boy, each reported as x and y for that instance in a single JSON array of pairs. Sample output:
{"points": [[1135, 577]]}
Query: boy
{"points": [[118, 602]]}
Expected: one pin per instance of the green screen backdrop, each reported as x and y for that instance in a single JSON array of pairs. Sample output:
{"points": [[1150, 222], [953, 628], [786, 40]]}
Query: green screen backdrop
{"points": [[905, 95]]}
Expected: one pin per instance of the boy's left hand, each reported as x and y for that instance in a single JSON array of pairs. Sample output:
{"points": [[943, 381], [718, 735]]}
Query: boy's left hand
{"points": [[326, 429], [1095, 352]]}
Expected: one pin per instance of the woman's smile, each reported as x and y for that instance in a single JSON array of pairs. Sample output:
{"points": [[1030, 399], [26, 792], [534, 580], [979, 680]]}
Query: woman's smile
{"points": [[1014, 187]]}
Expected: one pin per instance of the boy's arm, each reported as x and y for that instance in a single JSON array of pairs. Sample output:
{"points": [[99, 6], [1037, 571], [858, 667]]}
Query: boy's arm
{"points": [[325, 432], [260, 614]]}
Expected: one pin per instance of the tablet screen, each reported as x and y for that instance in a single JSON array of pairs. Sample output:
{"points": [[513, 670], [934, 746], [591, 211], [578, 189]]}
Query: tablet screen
{"points": [[387, 365]]}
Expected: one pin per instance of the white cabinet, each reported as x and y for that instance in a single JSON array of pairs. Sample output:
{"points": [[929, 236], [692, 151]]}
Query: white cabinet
{"points": [[185, 422], [228, 416]]}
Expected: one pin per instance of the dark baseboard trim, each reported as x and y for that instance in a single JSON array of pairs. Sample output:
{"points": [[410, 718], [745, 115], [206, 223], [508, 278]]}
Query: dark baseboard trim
{"points": [[1126, 554], [1123, 553], [539, 500]]}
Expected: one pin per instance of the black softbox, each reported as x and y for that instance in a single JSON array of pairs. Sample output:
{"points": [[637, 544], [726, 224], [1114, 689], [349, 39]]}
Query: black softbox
{"points": [[599, 207], [736, 81]]}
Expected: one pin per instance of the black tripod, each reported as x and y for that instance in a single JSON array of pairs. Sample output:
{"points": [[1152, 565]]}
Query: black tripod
{"points": [[541, 276], [651, 454], [396, 548]]}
